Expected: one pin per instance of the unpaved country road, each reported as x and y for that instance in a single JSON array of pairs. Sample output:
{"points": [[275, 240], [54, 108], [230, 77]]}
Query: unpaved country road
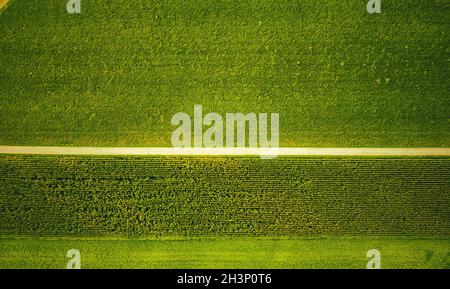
{"points": [[49, 150]]}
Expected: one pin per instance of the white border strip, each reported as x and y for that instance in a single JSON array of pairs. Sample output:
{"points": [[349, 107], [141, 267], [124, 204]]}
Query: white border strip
{"points": [[150, 151]]}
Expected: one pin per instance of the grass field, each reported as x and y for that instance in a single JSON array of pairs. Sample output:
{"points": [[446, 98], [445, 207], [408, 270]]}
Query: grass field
{"points": [[326, 252], [115, 74]]}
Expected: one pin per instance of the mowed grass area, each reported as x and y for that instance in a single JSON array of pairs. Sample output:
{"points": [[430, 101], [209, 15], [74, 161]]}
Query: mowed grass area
{"points": [[185, 197], [117, 73], [331, 252]]}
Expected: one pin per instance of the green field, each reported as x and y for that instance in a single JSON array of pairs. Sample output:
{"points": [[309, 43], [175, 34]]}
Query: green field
{"points": [[115, 74], [331, 252], [224, 212], [234, 196]]}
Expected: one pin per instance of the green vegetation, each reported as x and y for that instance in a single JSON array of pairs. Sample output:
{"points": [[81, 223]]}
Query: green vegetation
{"points": [[217, 197], [117, 73], [397, 252]]}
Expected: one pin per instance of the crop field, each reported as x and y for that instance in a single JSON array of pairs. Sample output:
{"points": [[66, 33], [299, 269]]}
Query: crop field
{"points": [[115, 74], [184, 197]]}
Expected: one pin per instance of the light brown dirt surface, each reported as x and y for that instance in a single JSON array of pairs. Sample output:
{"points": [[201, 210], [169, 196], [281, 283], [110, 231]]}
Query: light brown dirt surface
{"points": [[36, 150]]}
